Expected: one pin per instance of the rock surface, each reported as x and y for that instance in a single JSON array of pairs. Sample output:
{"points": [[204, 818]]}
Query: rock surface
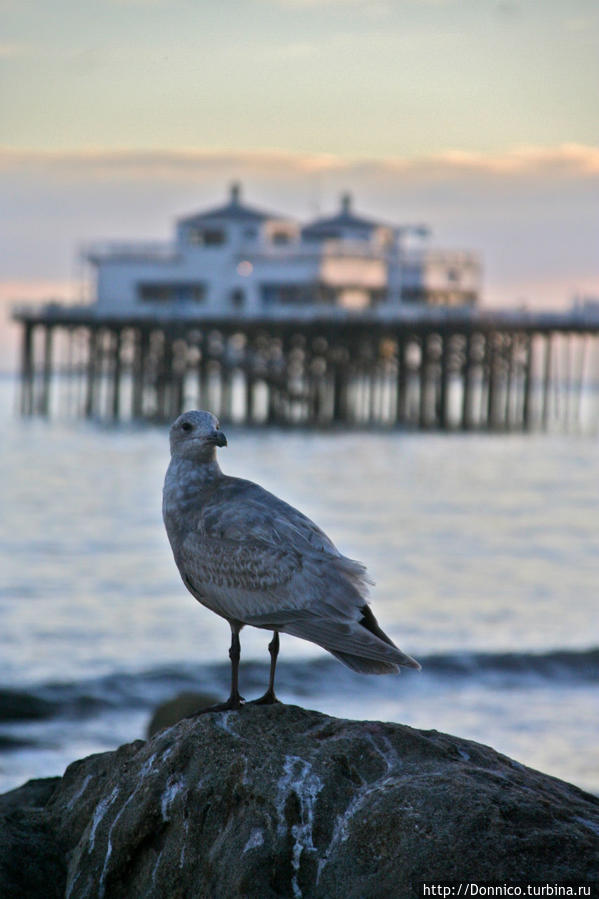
{"points": [[278, 801]]}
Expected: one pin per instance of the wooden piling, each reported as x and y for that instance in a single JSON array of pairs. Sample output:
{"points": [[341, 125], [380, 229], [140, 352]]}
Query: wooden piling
{"points": [[579, 380], [43, 401], [528, 385], [546, 382], [509, 381], [401, 407], [491, 352], [27, 370], [423, 396], [90, 390], [141, 341], [444, 382], [116, 348]]}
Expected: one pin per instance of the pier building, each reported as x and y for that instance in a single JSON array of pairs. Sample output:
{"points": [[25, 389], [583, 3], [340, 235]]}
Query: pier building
{"points": [[236, 258]]}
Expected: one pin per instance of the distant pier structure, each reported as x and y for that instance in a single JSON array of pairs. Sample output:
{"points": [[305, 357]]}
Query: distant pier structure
{"points": [[421, 368]]}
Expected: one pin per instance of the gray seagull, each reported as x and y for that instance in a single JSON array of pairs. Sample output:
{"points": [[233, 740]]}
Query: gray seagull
{"points": [[253, 559]]}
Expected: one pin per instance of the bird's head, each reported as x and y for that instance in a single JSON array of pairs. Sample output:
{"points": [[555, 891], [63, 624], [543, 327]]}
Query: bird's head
{"points": [[195, 435]]}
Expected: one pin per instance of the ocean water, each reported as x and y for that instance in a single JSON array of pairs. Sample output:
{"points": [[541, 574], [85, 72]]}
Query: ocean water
{"points": [[483, 549]]}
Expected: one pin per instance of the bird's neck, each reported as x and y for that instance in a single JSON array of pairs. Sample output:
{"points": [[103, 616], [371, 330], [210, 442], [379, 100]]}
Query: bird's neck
{"points": [[195, 473], [187, 484]]}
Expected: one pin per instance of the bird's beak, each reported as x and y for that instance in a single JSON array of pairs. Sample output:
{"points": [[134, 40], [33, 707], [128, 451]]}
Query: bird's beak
{"points": [[219, 438]]}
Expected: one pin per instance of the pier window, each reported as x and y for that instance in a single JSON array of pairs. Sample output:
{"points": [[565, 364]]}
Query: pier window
{"points": [[206, 237], [287, 294], [172, 292], [321, 234], [214, 237]]}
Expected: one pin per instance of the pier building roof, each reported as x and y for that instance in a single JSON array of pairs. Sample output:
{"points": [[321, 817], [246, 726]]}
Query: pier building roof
{"points": [[345, 219], [234, 210]]}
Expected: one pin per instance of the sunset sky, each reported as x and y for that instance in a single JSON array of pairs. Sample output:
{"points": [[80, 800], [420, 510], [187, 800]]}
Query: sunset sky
{"points": [[478, 117]]}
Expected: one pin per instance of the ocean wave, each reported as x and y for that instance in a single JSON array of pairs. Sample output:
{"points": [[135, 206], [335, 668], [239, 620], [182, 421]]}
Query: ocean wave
{"points": [[556, 665], [296, 679]]}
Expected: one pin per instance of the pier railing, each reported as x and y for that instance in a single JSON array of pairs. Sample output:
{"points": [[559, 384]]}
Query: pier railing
{"points": [[421, 368]]}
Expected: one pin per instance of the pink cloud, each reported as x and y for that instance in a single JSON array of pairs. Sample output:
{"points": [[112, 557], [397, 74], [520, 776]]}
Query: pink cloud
{"points": [[565, 160]]}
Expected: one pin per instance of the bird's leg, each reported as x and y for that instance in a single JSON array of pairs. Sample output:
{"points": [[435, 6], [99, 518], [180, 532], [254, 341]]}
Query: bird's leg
{"points": [[269, 697], [235, 701]]}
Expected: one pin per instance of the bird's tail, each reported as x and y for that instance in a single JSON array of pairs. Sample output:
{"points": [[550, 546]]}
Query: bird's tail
{"points": [[365, 666], [359, 646]]}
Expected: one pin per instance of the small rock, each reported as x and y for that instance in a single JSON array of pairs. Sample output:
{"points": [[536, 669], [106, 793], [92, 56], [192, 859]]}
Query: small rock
{"points": [[181, 706], [32, 861], [17, 705]]}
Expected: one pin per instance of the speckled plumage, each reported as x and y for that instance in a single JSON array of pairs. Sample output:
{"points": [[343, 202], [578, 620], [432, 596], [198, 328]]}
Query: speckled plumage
{"points": [[255, 560]]}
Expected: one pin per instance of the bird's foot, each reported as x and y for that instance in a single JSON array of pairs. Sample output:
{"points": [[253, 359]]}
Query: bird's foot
{"points": [[269, 698], [233, 703]]}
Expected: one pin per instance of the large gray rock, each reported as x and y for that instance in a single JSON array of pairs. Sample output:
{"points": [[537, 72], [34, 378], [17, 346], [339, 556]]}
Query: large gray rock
{"points": [[278, 801]]}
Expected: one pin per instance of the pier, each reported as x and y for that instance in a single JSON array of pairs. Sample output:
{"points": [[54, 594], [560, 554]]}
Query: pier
{"points": [[417, 368]]}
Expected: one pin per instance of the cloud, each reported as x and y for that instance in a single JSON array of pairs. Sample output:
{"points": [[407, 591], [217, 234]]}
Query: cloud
{"points": [[507, 7], [140, 2], [13, 51], [315, 4], [366, 5], [565, 161], [177, 165]]}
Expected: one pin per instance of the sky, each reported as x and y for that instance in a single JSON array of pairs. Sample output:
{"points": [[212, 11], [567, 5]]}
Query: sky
{"points": [[479, 118]]}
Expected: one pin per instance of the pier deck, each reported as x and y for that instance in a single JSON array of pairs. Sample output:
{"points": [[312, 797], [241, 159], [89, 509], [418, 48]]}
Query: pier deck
{"points": [[422, 368]]}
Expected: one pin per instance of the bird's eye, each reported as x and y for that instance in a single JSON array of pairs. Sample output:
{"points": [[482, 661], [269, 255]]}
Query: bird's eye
{"points": [[186, 426]]}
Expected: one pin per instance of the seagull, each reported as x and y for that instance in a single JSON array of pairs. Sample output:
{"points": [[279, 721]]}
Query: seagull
{"points": [[255, 560]]}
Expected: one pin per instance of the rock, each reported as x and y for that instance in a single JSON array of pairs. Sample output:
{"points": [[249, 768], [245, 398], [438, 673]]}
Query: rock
{"points": [[177, 708], [278, 801], [32, 862], [16, 705]]}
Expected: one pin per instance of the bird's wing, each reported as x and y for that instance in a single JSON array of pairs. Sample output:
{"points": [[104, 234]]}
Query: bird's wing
{"points": [[279, 589], [237, 578], [240, 509], [237, 564], [254, 556]]}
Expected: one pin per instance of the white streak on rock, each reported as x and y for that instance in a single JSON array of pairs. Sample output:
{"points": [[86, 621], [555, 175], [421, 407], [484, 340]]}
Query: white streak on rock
{"points": [[341, 829], [147, 766], [298, 778], [244, 777], [71, 884], [586, 823], [102, 885], [167, 752], [101, 809], [256, 839], [222, 721], [174, 785], [386, 751], [146, 769], [155, 868], [182, 853], [79, 792]]}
